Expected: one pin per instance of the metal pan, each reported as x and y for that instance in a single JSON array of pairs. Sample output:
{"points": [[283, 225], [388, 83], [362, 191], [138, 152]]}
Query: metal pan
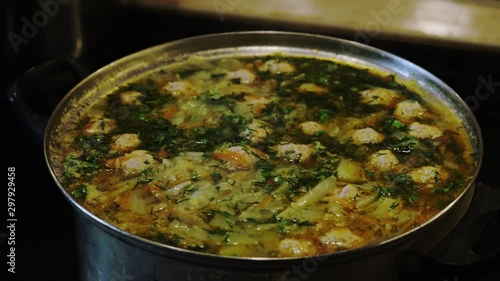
{"points": [[108, 253]]}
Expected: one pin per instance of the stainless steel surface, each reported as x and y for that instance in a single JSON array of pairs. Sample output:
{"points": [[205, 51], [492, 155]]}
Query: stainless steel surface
{"points": [[105, 257], [150, 259]]}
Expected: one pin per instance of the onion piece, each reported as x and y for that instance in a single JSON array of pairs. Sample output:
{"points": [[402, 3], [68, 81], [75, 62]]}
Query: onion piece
{"points": [[177, 189]]}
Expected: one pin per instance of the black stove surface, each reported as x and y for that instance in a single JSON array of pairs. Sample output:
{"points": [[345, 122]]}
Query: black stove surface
{"points": [[44, 234]]}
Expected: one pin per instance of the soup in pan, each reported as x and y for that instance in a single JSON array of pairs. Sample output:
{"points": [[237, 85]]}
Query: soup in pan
{"points": [[265, 156]]}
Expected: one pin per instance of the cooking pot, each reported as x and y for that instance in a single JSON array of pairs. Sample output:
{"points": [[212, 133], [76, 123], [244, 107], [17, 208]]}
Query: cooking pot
{"points": [[108, 253]]}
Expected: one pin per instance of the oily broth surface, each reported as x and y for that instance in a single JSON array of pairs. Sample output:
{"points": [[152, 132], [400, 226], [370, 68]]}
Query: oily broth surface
{"points": [[272, 156]]}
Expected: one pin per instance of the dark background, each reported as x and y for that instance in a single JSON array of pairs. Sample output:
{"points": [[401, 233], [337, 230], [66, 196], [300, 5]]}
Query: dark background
{"points": [[45, 246]]}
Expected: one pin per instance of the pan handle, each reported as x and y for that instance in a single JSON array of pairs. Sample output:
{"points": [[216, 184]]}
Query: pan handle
{"points": [[35, 94]]}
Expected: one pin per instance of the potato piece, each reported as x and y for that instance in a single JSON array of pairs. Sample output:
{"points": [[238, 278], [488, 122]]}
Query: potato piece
{"points": [[350, 171], [387, 208]]}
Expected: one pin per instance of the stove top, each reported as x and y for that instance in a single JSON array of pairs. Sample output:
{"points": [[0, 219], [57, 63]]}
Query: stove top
{"points": [[44, 234]]}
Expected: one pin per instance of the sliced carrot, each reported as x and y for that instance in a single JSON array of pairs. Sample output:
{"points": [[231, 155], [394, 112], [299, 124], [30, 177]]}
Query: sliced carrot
{"points": [[162, 154], [257, 109], [169, 113], [236, 160], [124, 201]]}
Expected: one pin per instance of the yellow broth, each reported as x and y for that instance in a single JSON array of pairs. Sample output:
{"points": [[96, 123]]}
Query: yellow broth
{"points": [[271, 156]]}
